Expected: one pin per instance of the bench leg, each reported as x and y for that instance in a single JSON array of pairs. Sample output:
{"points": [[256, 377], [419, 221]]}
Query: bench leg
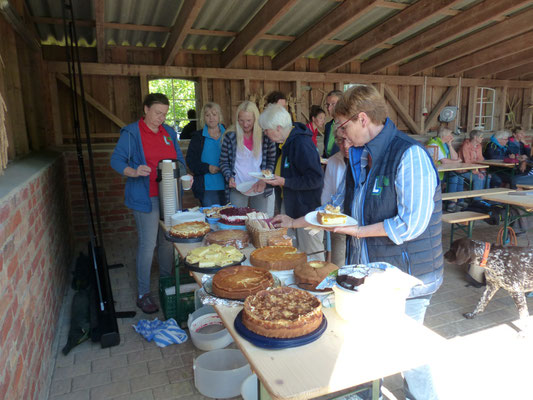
{"points": [[451, 234], [470, 228]]}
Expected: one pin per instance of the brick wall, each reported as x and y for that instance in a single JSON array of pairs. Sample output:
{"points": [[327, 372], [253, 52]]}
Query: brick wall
{"points": [[116, 218], [35, 257]]}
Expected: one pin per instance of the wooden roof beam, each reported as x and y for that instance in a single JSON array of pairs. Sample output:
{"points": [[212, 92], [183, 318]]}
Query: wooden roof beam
{"points": [[465, 21], [186, 17], [502, 64], [336, 20], [503, 30], [399, 23], [99, 7], [271, 13], [516, 72], [488, 54]]}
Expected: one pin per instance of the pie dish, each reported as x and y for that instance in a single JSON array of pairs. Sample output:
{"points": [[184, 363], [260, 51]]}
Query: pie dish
{"points": [[188, 230], [282, 312], [309, 275], [240, 281], [232, 237], [277, 257]]}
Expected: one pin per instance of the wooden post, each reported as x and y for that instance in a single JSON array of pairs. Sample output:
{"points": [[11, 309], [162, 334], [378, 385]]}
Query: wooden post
{"points": [[56, 117], [246, 83], [203, 91], [145, 88], [472, 101], [527, 108], [298, 100]]}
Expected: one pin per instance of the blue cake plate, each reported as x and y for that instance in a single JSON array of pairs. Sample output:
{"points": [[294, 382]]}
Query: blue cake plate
{"points": [[277, 343]]}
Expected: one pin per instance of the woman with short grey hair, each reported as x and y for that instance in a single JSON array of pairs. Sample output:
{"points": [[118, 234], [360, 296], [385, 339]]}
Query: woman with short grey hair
{"points": [[497, 150]]}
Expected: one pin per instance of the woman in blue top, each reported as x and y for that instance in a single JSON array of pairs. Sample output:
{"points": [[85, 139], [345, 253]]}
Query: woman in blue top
{"points": [[140, 147], [203, 157]]}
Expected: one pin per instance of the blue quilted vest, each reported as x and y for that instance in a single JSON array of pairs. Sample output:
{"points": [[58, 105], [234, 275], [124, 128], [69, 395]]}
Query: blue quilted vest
{"points": [[420, 257]]}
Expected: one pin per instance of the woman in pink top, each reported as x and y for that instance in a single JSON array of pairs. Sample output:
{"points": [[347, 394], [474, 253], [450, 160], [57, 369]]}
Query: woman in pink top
{"points": [[471, 152]]}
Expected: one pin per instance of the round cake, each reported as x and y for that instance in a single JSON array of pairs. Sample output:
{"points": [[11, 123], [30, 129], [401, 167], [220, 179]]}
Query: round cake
{"points": [[240, 281], [235, 216], [309, 275], [229, 237], [189, 230], [283, 312], [277, 258]]}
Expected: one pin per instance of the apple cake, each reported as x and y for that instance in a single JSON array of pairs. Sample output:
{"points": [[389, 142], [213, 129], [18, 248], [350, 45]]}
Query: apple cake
{"points": [[190, 230], [240, 281], [214, 256], [283, 312], [277, 258], [331, 216], [228, 237], [309, 275]]}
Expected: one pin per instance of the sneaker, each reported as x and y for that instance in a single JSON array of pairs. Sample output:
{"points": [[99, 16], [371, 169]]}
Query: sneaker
{"points": [[147, 304], [452, 207], [462, 205]]}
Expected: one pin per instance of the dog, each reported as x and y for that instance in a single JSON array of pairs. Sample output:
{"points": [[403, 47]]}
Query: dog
{"points": [[507, 267]]}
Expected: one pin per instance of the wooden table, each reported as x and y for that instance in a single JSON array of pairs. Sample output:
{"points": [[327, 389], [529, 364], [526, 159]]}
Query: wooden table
{"points": [[498, 163], [343, 357], [516, 198], [474, 193], [453, 167]]}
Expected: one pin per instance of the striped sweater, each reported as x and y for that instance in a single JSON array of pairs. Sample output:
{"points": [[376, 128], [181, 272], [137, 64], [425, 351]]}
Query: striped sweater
{"points": [[229, 151]]}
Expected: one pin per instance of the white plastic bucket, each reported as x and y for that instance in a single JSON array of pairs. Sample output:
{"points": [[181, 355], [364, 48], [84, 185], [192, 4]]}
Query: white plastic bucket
{"points": [[249, 388], [220, 373], [207, 330]]}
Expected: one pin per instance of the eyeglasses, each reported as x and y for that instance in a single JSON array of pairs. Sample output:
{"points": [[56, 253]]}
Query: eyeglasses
{"points": [[341, 126]]}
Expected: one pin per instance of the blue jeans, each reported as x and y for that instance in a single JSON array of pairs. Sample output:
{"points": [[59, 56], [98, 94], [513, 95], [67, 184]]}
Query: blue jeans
{"points": [[418, 382], [211, 197], [149, 234], [456, 183]]}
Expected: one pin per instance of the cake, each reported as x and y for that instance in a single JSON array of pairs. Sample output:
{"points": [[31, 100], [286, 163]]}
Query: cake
{"points": [[282, 240], [190, 230], [235, 216], [214, 256], [267, 174], [331, 216], [233, 237], [283, 312], [214, 212], [277, 258], [240, 282], [351, 282], [309, 275]]}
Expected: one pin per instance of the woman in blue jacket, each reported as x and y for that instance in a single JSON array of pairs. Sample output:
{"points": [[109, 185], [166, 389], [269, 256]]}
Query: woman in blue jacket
{"points": [[140, 147]]}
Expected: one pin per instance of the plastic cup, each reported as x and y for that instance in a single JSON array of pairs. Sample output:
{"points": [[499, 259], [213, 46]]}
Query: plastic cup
{"points": [[186, 182]]}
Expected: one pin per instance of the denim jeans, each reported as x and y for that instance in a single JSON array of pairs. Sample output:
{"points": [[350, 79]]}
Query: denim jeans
{"points": [[211, 197], [149, 234], [418, 382], [456, 183]]}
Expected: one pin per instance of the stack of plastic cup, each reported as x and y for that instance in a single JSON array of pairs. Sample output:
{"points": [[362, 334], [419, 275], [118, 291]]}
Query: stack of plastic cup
{"points": [[168, 191]]}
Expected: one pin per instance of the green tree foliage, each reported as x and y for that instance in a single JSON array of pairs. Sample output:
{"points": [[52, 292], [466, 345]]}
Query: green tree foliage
{"points": [[181, 95]]}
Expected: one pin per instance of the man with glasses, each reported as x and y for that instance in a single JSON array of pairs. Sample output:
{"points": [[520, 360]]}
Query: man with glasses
{"points": [[330, 147]]}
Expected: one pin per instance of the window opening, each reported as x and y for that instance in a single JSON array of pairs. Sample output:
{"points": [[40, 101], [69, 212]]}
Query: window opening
{"points": [[181, 97], [484, 117]]}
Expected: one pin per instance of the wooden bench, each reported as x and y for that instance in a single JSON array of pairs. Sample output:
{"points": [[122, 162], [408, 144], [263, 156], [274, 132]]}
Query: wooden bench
{"points": [[524, 187], [460, 218], [474, 193]]}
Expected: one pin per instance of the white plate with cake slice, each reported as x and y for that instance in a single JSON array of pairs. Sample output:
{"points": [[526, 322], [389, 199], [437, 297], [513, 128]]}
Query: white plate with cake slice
{"points": [[260, 175], [334, 220]]}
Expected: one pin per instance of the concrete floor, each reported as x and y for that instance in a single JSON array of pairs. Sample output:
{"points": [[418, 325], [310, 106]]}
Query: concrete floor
{"points": [[137, 369]]}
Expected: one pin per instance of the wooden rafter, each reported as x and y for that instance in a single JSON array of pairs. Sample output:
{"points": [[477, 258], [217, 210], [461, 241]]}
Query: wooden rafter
{"points": [[488, 54], [493, 34], [516, 72], [265, 18], [415, 14], [502, 64], [463, 22], [331, 23], [432, 117], [93, 102], [282, 76], [186, 17], [99, 7], [402, 111]]}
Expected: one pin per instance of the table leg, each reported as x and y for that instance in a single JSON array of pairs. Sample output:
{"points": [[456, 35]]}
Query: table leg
{"points": [[505, 225], [375, 389], [262, 393]]}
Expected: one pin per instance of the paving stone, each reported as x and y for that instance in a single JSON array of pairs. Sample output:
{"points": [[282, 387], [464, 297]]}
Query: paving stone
{"points": [[91, 354], [129, 372], [72, 371], [127, 347], [110, 390], [144, 355], [144, 395], [165, 363], [188, 358], [133, 336], [91, 380], [173, 391], [64, 360], [149, 381], [180, 374], [79, 395], [109, 363], [60, 387]]}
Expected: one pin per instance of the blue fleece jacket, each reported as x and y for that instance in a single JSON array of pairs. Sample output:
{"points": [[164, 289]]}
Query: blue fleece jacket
{"points": [[129, 153], [494, 150], [300, 166]]}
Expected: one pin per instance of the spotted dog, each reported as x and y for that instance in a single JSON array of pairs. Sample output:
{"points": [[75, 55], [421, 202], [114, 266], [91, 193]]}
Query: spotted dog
{"points": [[507, 267]]}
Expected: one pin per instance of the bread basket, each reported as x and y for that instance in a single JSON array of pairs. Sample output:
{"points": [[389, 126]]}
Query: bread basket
{"points": [[260, 232]]}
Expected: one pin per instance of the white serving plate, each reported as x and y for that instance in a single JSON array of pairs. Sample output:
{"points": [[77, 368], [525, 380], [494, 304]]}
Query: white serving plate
{"points": [[311, 219]]}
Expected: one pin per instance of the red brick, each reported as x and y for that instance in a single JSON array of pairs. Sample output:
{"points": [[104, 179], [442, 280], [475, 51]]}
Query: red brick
{"points": [[18, 372], [6, 327], [13, 264], [6, 379]]}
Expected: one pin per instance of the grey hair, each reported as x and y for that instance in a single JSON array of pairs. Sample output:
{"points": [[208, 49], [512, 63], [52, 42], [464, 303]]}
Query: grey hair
{"points": [[502, 135], [443, 131], [337, 93], [475, 133], [275, 115]]}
